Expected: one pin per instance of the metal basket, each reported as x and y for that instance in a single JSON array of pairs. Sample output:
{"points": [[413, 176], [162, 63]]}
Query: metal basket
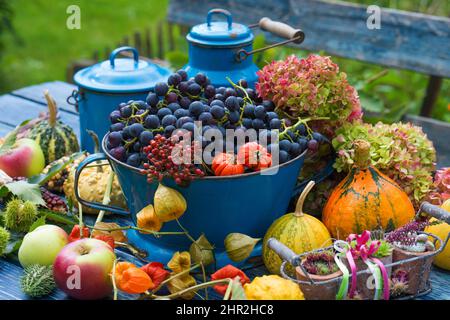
{"points": [[292, 260]]}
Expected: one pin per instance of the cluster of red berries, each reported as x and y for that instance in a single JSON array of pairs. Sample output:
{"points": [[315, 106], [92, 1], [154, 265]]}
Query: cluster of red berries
{"points": [[171, 157]]}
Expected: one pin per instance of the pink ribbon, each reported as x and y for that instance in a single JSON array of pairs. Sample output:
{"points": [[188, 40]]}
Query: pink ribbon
{"points": [[365, 252]]}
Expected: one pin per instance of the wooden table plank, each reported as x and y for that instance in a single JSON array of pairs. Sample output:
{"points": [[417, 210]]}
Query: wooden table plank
{"points": [[58, 90], [15, 110]]}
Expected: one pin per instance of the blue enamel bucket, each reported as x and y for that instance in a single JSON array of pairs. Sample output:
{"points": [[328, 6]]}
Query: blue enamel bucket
{"points": [[216, 206], [103, 86]]}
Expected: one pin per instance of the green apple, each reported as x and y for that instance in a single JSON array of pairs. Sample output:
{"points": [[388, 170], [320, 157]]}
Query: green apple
{"points": [[24, 159], [42, 245]]}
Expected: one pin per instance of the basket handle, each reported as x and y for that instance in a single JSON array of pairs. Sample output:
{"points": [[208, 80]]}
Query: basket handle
{"points": [[281, 250], [435, 211]]}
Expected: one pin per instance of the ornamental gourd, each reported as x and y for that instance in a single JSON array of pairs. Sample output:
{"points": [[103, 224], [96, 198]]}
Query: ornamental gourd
{"points": [[366, 200], [442, 260], [55, 138], [92, 184], [224, 164], [298, 231]]}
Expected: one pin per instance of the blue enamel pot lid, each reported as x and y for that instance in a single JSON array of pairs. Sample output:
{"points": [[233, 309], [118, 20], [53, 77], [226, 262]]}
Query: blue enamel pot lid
{"points": [[220, 33], [121, 75]]}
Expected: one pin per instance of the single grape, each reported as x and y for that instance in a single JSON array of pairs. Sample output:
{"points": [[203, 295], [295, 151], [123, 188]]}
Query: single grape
{"points": [[260, 112], [134, 159], [219, 96], [285, 145], [303, 143], [217, 112], [221, 90], [234, 116], [251, 93], [313, 145], [291, 134], [174, 79], [169, 130], [115, 139], [200, 78], [161, 89], [116, 127], [169, 120], [268, 105], [140, 104], [173, 106], [171, 97], [272, 115], [137, 146], [275, 124], [301, 129], [194, 89], [249, 111], [115, 116], [229, 92], [183, 87], [151, 122], [126, 133], [258, 124], [183, 74], [118, 153], [181, 113], [247, 122], [145, 137], [283, 156], [210, 91], [218, 103], [205, 118], [126, 112], [295, 149], [232, 103], [136, 129], [163, 112], [185, 102], [196, 108], [188, 126], [318, 137]]}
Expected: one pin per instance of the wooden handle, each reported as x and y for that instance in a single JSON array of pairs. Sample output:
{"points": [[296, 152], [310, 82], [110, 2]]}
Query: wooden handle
{"points": [[281, 29]]}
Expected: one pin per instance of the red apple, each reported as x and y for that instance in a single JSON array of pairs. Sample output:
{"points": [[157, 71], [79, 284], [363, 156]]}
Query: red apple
{"points": [[83, 269], [25, 159]]}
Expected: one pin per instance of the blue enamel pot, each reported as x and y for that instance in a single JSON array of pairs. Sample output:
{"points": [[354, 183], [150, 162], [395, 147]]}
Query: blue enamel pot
{"points": [[103, 86], [216, 206]]}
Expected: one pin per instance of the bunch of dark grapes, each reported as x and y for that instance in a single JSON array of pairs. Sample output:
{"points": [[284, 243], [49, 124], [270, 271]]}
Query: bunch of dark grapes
{"points": [[179, 102], [160, 153]]}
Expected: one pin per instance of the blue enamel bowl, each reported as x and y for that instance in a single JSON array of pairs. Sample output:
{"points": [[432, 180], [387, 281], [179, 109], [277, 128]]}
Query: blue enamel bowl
{"points": [[216, 206]]}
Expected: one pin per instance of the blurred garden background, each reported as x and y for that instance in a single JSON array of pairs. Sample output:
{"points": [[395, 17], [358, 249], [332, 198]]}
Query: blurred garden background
{"points": [[36, 46]]}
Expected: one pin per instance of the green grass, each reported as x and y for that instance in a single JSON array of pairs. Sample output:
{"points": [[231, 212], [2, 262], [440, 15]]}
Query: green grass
{"points": [[46, 46]]}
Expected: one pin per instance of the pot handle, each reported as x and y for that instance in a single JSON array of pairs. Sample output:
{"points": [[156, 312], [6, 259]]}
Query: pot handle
{"points": [[116, 51], [435, 211], [96, 205], [74, 99], [281, 30], [224, 12], [281, 250]]}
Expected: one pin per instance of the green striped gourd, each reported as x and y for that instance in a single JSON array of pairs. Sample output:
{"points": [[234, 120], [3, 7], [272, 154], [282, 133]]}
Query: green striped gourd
{"points": [[55, 138], [298, 231]]}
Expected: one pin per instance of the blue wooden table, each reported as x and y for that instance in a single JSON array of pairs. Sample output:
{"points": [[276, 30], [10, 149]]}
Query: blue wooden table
{"points": [[27, 103]]}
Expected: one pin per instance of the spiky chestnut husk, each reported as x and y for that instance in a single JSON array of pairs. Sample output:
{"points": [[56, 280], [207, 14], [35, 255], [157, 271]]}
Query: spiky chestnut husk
{"points": [[37, 281], [20, 215], [53, 201], [56, 183], [4, 238]]}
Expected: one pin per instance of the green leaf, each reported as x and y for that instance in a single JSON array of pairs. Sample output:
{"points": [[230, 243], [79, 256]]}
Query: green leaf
{"points": [[42, 178], [39, 222], [237, 291], [26, 191], [9, 142]]}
